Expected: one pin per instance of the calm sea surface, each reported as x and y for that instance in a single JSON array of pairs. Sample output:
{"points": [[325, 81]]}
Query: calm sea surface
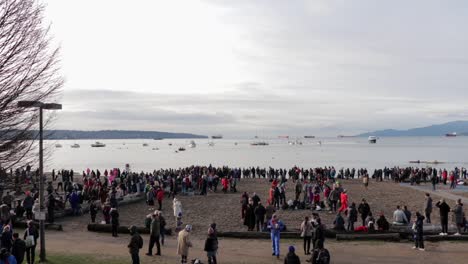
{"points": [[345, 152]]}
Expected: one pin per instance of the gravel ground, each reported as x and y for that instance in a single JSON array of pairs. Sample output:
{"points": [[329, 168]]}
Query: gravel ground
{"points": [[225, 209]]}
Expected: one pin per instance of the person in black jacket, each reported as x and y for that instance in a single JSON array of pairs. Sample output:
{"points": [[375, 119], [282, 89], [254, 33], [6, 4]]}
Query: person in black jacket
{"points": [[260, 212], [211, 244], [292, 258], [364, 210], [51, 207], [18, 248], [249, 219], [318, 236], [444, 209], [6, 238], [418, 232], [115, 221], [352, 217]]}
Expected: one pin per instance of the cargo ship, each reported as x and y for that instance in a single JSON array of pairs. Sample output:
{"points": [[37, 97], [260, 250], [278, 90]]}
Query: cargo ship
{"points": [[217, 136]]}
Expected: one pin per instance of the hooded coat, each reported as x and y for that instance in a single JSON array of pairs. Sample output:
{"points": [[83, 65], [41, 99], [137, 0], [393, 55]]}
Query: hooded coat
{"points": [[183, 243]]}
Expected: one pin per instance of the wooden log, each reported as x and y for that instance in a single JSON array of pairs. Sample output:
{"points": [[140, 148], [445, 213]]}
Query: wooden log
{"points": [[103, 228], [366, 236], [266, 235], [48, 226], [446, 238]]}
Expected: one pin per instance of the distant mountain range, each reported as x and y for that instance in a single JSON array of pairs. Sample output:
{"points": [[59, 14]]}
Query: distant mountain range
{"points": [[114, 134], [460, 127]]}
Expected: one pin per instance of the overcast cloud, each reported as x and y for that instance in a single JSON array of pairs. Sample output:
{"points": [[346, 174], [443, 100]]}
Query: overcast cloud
{"points": [[261, 67]]}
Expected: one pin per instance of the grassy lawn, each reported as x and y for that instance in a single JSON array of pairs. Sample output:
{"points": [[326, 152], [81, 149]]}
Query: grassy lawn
{"points": [[79, 259]]}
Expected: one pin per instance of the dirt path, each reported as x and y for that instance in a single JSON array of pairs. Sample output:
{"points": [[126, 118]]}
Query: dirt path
{"points": [[255, 251]]}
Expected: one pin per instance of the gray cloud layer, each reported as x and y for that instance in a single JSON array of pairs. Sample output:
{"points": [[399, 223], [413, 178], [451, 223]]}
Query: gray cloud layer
{"points": [[299, 67]]}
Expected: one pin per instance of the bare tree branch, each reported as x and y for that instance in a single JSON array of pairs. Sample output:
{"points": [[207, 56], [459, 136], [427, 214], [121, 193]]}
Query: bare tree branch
{"points": [[29, 71]]}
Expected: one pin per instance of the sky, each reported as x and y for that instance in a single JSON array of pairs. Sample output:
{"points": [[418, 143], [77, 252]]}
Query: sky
{"points": [[265, 67]]}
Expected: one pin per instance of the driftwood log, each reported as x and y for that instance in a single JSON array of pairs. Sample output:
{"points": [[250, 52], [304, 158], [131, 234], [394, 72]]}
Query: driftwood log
{"points": [[103, 228], [446, 238], [365, 236], [48, 226]]}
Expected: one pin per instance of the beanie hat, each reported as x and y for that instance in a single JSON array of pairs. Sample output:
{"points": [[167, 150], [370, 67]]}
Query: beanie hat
{"points": [[291, 249]]}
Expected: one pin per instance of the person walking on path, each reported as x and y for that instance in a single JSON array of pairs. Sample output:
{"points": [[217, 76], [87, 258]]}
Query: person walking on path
{"points": [[155, 232], [306, 234], [136, 243], [444, 210], [276, 226], [364, 210], [459, 216], [428, 208], [184, 243], [291, 257], [418, 232]]}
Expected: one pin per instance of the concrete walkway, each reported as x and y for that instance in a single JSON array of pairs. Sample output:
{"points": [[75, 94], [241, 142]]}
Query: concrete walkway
{"points": [[449, 195]]}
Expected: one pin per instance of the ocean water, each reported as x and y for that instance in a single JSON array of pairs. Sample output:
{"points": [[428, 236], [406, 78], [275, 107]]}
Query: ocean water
{"points": [[344, 152]]}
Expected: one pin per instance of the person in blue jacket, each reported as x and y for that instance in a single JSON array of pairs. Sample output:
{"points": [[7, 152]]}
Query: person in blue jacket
{"points": [[276, 226], [6, 258]]}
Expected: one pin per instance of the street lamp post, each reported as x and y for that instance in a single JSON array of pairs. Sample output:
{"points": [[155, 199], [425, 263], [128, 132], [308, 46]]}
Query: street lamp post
{"points": [[41, 106]]}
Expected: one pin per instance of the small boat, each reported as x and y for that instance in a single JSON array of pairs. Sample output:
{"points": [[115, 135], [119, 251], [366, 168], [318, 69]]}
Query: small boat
{"points": [[75, 146], [217, 136], [145, 144], [155, 148], [98, 145], [259, 143], [58, 145], [192, 144], [170, 144], [235, 143], [454, 134], [211, 144], [181, 149], [372, 139], [157, 138], [309, 136]]}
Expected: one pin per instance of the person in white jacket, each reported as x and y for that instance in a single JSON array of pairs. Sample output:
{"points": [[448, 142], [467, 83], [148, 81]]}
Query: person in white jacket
{"points": [[177, 206]]}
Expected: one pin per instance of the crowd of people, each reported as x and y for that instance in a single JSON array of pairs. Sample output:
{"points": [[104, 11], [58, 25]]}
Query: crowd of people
{"points": [[317, 189]]}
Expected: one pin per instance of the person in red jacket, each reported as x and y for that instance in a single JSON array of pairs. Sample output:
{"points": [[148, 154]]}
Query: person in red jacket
{"points": [[444, 177], [344, 201], [225, 184], [159, 197]]}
